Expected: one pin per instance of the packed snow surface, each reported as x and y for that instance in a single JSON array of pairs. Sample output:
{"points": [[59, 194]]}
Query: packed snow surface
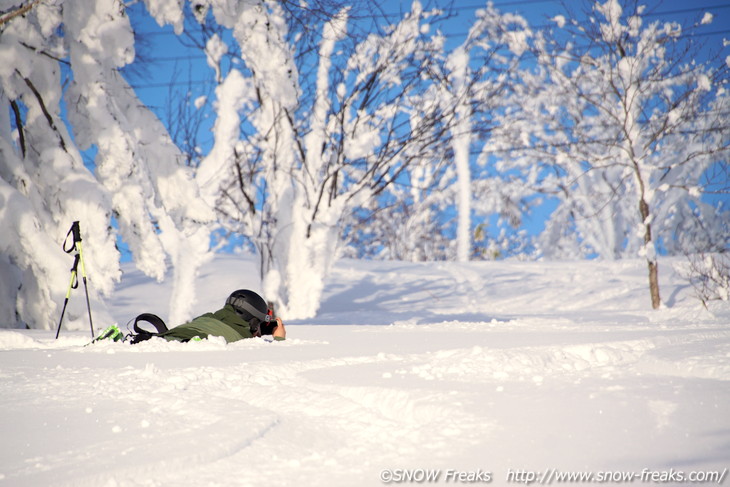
{"points": [[502, 371]]}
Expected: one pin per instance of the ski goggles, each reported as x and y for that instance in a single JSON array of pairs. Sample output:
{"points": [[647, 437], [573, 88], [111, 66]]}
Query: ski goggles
{"points": [[240, 303]]}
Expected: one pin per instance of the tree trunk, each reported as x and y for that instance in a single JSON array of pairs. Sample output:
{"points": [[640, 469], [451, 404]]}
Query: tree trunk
{"points": [[650, 256], [654, 284]]}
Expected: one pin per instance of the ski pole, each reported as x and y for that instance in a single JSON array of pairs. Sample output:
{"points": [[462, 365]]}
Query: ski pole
{"points": [[86, 288], [75, 233], [73, 284]]}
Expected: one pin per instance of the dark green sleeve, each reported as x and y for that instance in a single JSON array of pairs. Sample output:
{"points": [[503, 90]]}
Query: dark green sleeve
{"points": [[215, 324], [229, 316]]}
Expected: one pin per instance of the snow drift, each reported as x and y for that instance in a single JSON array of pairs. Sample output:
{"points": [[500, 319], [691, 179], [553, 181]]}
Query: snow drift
{"points": [[502, 368]]}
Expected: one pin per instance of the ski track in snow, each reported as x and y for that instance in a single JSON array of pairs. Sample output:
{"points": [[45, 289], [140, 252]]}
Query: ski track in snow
{"points": [[475, 380]]}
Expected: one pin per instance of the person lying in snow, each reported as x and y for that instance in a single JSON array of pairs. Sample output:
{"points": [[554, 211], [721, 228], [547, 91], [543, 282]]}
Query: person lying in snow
{"points": [[245, 315]]}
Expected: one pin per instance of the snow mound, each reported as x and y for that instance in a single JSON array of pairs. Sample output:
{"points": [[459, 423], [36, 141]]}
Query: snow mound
{"points": [[478, 367]]}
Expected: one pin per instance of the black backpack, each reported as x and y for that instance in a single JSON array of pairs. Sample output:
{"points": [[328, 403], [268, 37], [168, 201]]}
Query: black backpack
{"points": [[140, 334]]}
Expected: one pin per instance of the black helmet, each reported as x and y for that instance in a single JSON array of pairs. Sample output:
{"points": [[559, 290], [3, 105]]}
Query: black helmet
{"points": [[249, 305]]}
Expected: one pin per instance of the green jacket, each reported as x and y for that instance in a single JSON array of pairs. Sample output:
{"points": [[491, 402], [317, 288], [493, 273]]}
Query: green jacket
{"points": [[224, 323]]}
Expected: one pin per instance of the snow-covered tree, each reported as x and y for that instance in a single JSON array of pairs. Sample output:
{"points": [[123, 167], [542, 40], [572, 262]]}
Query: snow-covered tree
{"points": [[406, 222], [64, 58], [502, 185], [295, 165], [479, 76], [459, 94], [631, 120], [475, 82]]}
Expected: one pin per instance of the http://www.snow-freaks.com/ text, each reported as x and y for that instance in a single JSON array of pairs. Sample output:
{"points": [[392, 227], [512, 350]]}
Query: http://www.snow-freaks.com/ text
{"points": [[551, 476]]}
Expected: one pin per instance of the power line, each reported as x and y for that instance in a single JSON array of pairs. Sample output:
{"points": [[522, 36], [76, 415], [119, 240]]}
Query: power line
{"points": [[201, 57], [686, 10], [681, 36], [169, 84], [503, 4], [559, 4]]}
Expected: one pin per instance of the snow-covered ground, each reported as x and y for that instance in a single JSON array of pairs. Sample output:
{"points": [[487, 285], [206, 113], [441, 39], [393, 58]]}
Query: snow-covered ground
{"points": [[503, 371]]}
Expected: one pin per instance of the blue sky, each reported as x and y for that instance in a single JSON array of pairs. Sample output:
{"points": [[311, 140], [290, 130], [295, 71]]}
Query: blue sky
{"points": [[172, 61], [174, 68]]}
